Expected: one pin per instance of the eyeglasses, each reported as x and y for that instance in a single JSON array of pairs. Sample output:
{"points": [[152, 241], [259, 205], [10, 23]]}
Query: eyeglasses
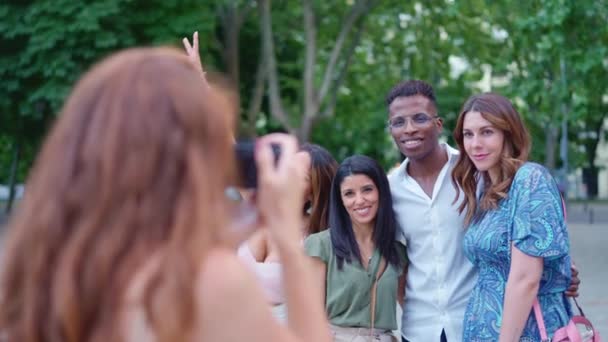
{"points": [[417, 120]]}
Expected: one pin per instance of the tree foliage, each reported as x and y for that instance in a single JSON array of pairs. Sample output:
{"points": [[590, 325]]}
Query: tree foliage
{"points": [[322, 68], [46, 45]]}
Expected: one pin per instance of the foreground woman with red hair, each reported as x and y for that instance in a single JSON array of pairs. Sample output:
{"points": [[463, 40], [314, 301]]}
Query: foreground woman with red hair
{"points": [[125, 232]]}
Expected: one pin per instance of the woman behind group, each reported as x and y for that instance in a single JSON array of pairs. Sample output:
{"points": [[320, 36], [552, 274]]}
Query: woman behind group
{"points": [[261, 253], [125, 233], [359, 248], [322, 170], [516, 233]]}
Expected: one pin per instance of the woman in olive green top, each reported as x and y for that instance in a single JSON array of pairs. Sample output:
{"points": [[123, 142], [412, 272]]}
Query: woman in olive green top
{"points": [[359, 246]]}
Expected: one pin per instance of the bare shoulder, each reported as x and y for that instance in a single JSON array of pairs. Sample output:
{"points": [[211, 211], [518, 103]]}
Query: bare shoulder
{"points": [[223, 285], [229, 296], [221, 274]]}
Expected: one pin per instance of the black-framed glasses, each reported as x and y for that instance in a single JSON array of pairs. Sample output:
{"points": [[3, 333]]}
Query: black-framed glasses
{"points": [[417, 120]]}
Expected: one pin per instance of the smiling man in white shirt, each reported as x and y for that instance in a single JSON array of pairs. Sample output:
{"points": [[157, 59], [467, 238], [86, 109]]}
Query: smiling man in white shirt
{"points": [[440, 278]]}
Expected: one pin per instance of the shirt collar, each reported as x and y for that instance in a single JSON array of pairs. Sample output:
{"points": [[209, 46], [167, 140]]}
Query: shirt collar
{"points": [[453, 155]]}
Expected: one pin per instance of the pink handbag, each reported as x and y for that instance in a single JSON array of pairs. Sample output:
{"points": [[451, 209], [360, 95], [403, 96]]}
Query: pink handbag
{"points": [[571, 332]]}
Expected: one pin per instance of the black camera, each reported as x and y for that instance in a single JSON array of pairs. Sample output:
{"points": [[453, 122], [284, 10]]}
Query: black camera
{"points": [[246, 166]]}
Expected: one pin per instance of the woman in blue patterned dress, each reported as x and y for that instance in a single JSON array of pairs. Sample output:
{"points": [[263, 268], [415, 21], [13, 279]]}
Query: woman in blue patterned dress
{"points": [[516, 234]]}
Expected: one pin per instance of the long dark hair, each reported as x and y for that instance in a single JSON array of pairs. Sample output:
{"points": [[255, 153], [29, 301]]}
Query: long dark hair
{"points": [[322, 170], [343, 241]]}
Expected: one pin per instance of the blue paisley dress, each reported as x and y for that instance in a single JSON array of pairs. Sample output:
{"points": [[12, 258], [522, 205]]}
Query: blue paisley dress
{"points": [[532, 218]]}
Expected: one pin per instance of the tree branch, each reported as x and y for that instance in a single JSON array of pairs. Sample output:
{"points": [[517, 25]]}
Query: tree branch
{"points": [[310, 100], [230, 21], [245, 13], [231, 18], [257, 95], [276, 105], [222, 14], [360, 7], [331, 105]]}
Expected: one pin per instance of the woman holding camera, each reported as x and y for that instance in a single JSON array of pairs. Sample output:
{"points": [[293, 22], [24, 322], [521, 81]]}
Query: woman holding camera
{"points": [[260, 252], [125, 232]]}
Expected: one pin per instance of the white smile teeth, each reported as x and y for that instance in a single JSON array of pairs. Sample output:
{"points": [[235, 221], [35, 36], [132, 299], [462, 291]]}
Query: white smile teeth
{"points": [[412, 142], [362, 210]]}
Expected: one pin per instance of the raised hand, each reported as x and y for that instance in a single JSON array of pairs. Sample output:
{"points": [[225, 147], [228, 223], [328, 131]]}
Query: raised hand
{"points": [[193, 54]]}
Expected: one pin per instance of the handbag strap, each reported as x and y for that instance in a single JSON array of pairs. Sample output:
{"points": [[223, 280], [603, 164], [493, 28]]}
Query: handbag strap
{"points": [[381, 268], [580, 310], [538, 314], [576, 319]]}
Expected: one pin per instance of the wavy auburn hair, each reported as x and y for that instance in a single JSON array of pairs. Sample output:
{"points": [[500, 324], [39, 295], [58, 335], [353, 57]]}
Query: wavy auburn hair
{"points": [[133, 170], [322, 171], [499, 111]]}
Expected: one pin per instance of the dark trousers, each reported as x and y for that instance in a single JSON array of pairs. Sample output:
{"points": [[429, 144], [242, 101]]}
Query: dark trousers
{"points": [[443, 338]]}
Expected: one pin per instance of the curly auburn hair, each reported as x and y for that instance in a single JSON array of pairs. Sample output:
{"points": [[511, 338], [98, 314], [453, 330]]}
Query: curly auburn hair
{"points": [[499, 111]]}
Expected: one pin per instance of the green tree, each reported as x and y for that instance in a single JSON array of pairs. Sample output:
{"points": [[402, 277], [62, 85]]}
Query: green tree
{"points": [[554, 63], [325, 61], [405, 41], [46, 45]]}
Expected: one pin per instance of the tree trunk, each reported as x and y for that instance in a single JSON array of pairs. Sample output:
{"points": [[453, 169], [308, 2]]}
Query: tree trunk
{"points": [[13, 176], [590, 179], [277, 110], [550, 145], [313, 95], [310, 93], [590, 173], [303, 132], [255, 102], [231, 28]]}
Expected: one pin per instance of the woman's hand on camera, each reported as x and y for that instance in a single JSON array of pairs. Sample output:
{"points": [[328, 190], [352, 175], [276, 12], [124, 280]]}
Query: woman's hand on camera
{"points": [[280, 188]]}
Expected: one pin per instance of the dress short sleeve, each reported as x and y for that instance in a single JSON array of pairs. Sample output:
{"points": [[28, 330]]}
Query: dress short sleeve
{"points": [[539, 228], [319, 245]]}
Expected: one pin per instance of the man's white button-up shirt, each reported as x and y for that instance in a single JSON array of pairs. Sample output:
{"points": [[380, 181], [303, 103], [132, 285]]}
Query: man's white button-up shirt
{"points": [[440, 278]]}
